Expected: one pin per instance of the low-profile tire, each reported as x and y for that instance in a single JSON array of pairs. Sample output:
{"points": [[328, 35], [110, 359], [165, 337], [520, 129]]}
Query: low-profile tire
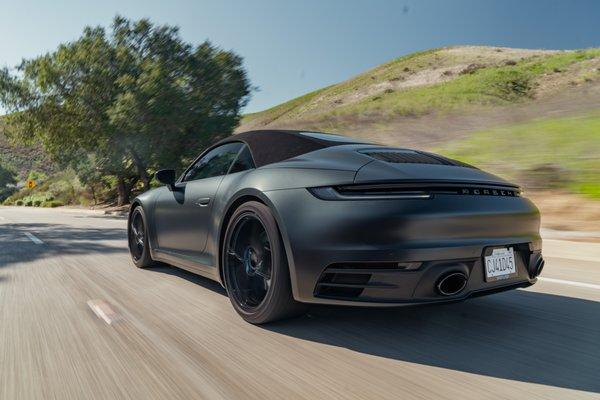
{"points": [[256, 273], [137, 235]]}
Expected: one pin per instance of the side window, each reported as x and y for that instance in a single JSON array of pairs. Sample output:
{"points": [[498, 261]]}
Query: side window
{"points": [[214, 163], [243, 162]]}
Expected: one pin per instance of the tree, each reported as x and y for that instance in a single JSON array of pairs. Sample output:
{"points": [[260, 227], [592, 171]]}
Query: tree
{"points": [[135, 100], [91, 176]]}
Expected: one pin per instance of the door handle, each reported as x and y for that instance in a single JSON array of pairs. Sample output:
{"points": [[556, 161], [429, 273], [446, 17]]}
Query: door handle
{"points": [[203, 202]]}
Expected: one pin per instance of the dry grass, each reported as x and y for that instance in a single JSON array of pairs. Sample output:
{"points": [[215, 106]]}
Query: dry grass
{"points": [[565, 211]]}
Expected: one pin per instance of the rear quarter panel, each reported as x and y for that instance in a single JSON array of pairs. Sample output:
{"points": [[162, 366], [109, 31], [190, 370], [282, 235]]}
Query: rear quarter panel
{"points": [[260, 183]]}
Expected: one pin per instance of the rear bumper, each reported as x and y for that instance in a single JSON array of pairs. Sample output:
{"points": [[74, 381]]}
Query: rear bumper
{"points": [[347, 252]]}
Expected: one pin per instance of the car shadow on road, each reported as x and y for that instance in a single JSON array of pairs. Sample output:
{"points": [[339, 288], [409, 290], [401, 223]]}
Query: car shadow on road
{"points": [[520, 335], [188, 276], [57, 239]]}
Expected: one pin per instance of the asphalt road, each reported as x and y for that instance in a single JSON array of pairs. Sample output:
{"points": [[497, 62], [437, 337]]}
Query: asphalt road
{"points": [[174, 335]]}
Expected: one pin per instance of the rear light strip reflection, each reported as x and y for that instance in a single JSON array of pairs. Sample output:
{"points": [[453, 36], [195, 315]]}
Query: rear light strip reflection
{"points": [[383, 192]]}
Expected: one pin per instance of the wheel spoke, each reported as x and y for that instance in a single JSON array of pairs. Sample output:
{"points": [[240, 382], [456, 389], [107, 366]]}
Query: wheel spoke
{"points": [[266, 245], [140, 226], [259, 271], [235, 255]]}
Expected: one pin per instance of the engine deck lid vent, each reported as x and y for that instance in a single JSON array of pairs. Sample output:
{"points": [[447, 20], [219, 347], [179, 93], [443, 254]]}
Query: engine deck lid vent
{"points": [[411, 157]]}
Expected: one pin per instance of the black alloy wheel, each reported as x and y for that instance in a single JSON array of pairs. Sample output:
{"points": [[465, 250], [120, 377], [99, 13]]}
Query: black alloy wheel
{"points": [[138, 239], [255, 267], [249, 261]]}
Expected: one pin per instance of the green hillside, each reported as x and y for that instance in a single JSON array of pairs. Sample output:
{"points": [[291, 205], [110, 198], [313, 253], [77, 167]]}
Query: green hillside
{"points": [[452, 79]]}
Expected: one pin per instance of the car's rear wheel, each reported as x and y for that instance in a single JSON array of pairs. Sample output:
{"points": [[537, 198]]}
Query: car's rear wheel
{"points": [[137, 233], [256, 272]]}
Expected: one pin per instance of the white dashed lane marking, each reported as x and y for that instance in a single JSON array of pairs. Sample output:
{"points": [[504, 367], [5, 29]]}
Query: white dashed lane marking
{"points": [[570, 283], [33, 238], [104, 311]]}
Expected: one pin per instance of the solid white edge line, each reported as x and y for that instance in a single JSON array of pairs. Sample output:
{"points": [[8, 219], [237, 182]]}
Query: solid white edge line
{"points": [[570, 283], [33, 238]]}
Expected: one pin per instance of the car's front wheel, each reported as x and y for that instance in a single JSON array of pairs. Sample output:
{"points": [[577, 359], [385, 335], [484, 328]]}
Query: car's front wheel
{"points": [[137, 233], [255, 268]]}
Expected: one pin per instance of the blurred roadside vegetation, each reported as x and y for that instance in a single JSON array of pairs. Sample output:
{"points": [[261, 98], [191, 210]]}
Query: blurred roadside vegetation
{"points": [[62, 188], [548, 153], [112, 107]]}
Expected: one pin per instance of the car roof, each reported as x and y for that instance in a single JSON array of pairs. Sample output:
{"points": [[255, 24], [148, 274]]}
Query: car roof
{"points": [[271, 146]]}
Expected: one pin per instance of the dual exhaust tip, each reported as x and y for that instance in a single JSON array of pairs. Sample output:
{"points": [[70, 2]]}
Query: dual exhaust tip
{"points": [[451, 283], [454, 282]]}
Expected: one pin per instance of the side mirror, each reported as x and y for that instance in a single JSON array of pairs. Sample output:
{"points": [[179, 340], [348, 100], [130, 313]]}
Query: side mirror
{"points": [[167, 177]]}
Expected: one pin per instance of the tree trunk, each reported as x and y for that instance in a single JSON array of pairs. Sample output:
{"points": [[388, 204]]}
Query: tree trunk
{"points": [[123, 190], [93, 193], [141, 170]]}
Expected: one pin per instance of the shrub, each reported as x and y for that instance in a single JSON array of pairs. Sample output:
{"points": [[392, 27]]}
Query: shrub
{"points": [[513, 85], [37, 176], [471, 69], [52, 203], [28, 203], [37, 203], [19, 203], [547, 176]]}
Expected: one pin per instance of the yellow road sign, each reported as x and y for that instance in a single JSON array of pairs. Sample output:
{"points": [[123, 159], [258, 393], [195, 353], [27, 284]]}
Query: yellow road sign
{"points": [[30, 183]]}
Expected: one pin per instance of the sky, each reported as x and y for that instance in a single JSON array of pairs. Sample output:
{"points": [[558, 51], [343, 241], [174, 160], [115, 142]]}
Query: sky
{"points": [[293, 47]]}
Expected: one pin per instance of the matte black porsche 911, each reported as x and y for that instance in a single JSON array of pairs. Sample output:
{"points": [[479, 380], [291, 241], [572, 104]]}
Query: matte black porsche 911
{"points": [[285, 218]]}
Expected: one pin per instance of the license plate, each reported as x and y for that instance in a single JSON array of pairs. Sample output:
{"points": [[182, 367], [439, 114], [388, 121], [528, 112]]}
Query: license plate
{"points": [[500, 264]]}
